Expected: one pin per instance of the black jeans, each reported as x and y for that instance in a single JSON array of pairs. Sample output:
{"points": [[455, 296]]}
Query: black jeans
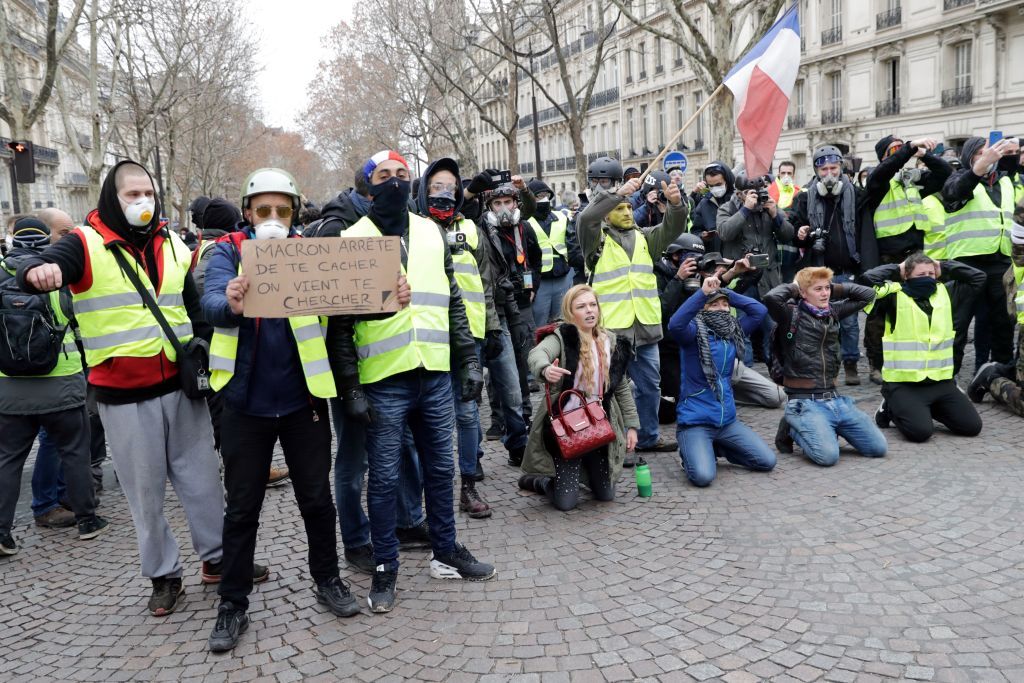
{"points": [[912, 407], [999, 324], [247, 447], [69, 430], [564, 489]]}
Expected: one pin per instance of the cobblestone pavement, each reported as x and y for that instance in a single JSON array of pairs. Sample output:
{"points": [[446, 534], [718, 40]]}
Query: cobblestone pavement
{"points": [[908, 567]]}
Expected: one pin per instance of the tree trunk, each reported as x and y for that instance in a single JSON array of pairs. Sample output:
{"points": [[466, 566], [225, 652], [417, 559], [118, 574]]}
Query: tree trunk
{"points": [[576, 134], [720, 144]]}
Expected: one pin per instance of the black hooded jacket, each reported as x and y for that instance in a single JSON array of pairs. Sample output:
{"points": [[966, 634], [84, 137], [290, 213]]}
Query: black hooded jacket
{"points": [[959, 188], [705, 214], [338, 215], [877, 186]]}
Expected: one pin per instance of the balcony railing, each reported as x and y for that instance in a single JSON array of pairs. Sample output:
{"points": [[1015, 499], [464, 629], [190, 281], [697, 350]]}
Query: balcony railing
{"points": [[893, 17], [604, 97], [887, 108], [46, 155], [833, 115], [549, 165], [954, 4], [796, 121], [955, 97], [831, 36]]}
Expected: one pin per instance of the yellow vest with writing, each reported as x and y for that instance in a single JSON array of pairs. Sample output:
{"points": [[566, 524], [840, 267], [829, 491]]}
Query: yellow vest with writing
{"points": [[416, 336]]}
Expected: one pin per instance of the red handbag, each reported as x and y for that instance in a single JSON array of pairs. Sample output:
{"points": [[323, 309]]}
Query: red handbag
{"points": [[581, 430]]}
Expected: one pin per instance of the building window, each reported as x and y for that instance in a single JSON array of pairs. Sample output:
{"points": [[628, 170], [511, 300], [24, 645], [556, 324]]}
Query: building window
{"points": [[832, 112], [631, 131], [645, 132], [629, 66], [680, 111], [962, 65], [798, 119], [833, 19], [698, 139], [641, 53], [659, 107], [679, 56], [659, 65], [889, 105]]}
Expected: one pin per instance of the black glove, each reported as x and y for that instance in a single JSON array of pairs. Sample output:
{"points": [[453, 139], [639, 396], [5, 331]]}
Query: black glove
{"points": [[472, 380], [355, 405], [482, 182], [520, 337], [492, 345]]}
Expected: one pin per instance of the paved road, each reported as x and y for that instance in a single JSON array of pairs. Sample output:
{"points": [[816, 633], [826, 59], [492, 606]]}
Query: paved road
{"points": [[907, 568]]}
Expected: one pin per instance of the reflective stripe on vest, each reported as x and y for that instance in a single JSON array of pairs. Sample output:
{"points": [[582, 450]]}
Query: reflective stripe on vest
{"points": [[934, 227], [981, 227], [627, 289], [112, 318], [918, 348], [309, 332], [467, 275], [553, 243], [416, 336], [899, 211]]}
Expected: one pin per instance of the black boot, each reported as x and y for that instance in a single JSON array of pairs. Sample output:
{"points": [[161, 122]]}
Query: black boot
{"points": [[534, 483], [979, 386], [783, 441], [515, 456]]}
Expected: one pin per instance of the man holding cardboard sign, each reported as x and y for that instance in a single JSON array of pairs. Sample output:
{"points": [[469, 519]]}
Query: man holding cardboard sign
{"points": [[393, 372], [276, 379]]}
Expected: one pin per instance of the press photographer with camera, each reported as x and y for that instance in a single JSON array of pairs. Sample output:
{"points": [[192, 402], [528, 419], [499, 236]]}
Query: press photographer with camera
{"points": [[892, 201], [829, 230], [680, 273], [714, 191], [649, 201]]}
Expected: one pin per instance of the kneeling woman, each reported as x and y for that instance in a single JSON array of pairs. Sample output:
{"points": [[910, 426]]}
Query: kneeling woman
{"points": [[710, 339], [580, 354]]}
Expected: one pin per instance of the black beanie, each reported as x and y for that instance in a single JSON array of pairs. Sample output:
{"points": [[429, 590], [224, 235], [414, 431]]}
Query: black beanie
{"points": [[220, 214], [197, 208], [882, 145], [30, 233]]}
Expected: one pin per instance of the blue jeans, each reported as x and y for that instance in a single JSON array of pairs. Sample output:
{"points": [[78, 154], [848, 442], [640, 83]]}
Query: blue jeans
{"points": [[350, 468], [504, 379], [547, 305], [467, 424], [423, 401], [817, 425], [645, 371], [736, 442], [849, 327], [47, 477]]}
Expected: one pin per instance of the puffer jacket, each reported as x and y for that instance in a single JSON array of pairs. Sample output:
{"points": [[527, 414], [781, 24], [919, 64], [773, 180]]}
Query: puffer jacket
{"points": [[698, 404], [810, 358]]}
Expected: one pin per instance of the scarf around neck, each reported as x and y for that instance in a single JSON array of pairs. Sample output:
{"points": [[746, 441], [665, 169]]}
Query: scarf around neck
{"points": [[727, 328]]}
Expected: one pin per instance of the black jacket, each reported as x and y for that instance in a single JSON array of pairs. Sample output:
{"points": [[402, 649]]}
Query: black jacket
{"points": [[837, 255], [341, 347], [705, 212], [810, 358], [507, 247], [338, 215], [954, 273]]}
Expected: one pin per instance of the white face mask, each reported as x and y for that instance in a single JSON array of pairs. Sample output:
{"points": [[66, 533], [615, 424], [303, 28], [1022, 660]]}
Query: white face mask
{"points": [[786, 180], [140, 212], [271, 230], [718, 191]]}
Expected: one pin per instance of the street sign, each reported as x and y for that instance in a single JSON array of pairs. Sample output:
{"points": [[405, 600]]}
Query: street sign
{"points": [[673, 159]]}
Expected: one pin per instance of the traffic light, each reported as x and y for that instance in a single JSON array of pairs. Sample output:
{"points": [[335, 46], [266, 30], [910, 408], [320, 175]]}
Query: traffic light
{"points": [[24, 162]]}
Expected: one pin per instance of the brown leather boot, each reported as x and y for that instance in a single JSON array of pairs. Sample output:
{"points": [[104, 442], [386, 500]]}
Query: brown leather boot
{"points": [[471, 502], [850, 366]]}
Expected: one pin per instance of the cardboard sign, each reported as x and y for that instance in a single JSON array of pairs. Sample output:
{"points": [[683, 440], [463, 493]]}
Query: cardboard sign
{"points": [[321, 276]]}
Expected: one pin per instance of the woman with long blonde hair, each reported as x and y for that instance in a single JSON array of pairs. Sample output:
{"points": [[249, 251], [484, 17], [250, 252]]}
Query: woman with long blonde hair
{"points": [[578, 353]]}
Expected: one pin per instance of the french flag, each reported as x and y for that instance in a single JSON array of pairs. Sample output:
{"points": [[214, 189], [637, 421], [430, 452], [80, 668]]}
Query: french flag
{"points": [[761, 84]]}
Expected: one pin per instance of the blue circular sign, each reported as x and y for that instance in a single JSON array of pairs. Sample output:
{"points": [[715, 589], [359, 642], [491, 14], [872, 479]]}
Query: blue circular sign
{"points": [[673, 159]]}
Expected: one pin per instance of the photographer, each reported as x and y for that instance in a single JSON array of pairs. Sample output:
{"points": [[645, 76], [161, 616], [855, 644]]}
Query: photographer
{"points": [[714, 191], [680, 272], [649, 201], [828, 229], [892, 201], [811, 310]]}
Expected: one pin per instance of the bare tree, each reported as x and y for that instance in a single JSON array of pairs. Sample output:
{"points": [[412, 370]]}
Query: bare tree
{"points": [[571, 97], [712, 52], [20, 107]]}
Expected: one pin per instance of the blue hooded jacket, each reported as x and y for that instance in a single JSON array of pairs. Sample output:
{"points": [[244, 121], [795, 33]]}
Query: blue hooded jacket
{"points": [[697, 402], [268, 379]]}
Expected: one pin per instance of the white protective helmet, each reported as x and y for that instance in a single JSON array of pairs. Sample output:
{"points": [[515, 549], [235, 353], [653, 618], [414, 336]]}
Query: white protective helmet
{"points": [[264, 180]]}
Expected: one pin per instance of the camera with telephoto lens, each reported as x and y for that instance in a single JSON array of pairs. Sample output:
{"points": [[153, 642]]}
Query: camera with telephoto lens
{"points": [[911, 176], [456, 242], [706, 265]]}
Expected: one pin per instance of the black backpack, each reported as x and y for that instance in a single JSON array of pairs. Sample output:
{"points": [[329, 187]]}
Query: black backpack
{"points": [[775, 369], [30, 339]]}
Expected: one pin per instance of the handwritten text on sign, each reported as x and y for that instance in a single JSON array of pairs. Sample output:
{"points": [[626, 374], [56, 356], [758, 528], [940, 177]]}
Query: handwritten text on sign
{"points": [[323, 276]]}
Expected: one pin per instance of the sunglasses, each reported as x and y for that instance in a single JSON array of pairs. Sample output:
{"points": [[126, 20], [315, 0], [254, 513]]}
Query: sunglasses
{"points": [[264, 211]]}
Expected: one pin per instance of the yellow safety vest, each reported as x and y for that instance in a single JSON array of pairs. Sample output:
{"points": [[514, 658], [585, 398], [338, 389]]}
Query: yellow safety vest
{"points": [[786, 195], [416, 336], [1018, 299], [918, 348], [934, 227], [981, 227], [69, 362], [899, 211], [467, 275], [309, 332], [550, 244], [113, 320], [627, 289]]}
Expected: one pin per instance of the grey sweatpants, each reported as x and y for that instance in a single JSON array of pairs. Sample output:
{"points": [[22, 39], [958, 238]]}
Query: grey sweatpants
{"points": [[752, 388], [169, 437]]}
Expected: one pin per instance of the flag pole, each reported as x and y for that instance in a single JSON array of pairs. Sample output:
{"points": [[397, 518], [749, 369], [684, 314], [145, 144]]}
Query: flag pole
{"points": [[689, 122]]}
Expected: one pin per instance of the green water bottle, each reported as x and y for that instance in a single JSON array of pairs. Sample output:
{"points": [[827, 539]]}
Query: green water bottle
{"points": [[643, 478]]}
